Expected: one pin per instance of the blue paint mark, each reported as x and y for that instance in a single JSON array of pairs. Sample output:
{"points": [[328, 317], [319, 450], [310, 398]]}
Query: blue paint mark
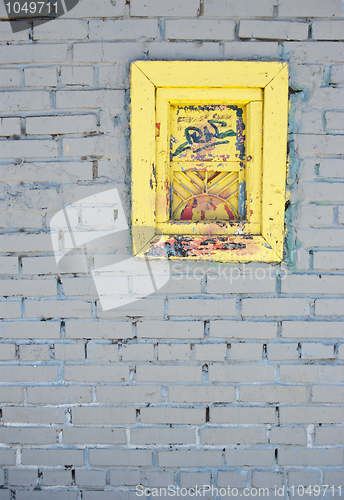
{"points": [[242, 200]]}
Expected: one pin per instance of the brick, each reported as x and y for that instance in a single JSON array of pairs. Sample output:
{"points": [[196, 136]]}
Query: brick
{"points": [[44, 172], [104, 353], [37, 415], [242, 352], [321, 191], [304, 478], [199, 29], [153, 308], [341, 352], [315, 215], [7, 456], [260, 458], [275, 307], [210, 352], [192, 479], [332, 307], [231, 8], [288, 436], [240, 415], [34, 352], [94, 435], [328, 30], [282, 352], [272, 394], [251, 50], [329, 435], [59, 395], [267, 479], [314, 52], [32, 374], [309, 8], [241, 373], [52, 457], [340, 215], [96, 373], [171, 329], [334, 120], [57, 477], [308, 146], [40, 77], [168, 373], [90, 478], [28, 149], [174, 352], [69, 352], [73, 99], [309, 457], [30, 330], [103, 415], [202, 308], [22, 477], [333, 477], [77, 75], [31, 242], [172, 416], [114, 76], [28, 435], [10, 77], [139, 352], [317, 351], [311, 414], [327, 394], [162, 435], [34, 53], [45, 125], [98, 330], [9, 126], [89, 146], [7, 34], [120, 457], [234, 478], [325, 98], [8, 265], [11, 394], [243, 330], [57, 309], [124, 477], [29, 288], [277, 30], [61, 29], [180, 51], [311, 373], [234, 435], [7, 352], [194, 459], [181, 281], [124, 29], [88, 9], [46, 495], [200, 394], [162, 8], [337, 74], [307, 329], [5, 494], [129, 394]]}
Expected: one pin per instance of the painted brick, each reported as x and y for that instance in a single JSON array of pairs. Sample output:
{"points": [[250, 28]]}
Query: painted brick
{"points": [[226, 415], [7, 456], [288, 436], [317, 351], [327, 394], [328, 30], [73, 99], [334, 120], [315, 215], [333, 307], [28, 149], [88, 9], [90, 478], [29, 288], [153, 308], [123, 29], [114, 76], [337, 74], [267, 479], [52, 457], [341, 215], [103, 416], [185, 458], [43, 172], [200, 394], [57, 478], [11, 394], [304, 478], [314, 52], [242, 352], [306, 145], [333, 477], [181, 51], [31, 374], [275, 307], [119, 457], [94, 435], [243, 330], [172, 416], [31, 242], [124, 477], [9, 77], [235, 435], [230, 8], [278, 30], [322, 191], [33, 415], [208, 352], [310, 8], [202, 308], [34, 352], [98, 330], [7, 35], [69, 352], [174, 352], [251, 50], [155, 479], [329, 435], [272, 394], [45, 125], [129, 394], [96, 373], [310, 415], [341, 352], [77, 75], [162, 8], [8, 265], [163, 435], [45, 495], [199, 29], [235, 479], [192, 479], [308, 457], [22, 477], [171, 329], [104, 353], [89, 146], [34, 53], [30, 330], [40, 77], [7, 352], [57, 309], [260, 458], [59, 394], [319, 329], [241, 373], [9, 126], [282, 352], [311, 374], [61, 29], [139, 352], [168, 373]]}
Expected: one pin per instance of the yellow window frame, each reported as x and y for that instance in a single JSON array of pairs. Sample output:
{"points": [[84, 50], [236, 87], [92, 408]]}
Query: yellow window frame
{"points": [[262, 87]]}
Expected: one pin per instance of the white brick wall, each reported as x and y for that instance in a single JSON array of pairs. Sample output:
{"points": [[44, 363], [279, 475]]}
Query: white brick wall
{"points": [[229, 375]]}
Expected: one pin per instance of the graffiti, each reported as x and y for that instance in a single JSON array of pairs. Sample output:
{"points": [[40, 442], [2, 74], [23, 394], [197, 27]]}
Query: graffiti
{"points": [[195, 135]]}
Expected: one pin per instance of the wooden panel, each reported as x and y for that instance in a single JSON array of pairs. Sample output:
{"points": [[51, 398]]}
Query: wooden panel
{"points": [[206, 95]]}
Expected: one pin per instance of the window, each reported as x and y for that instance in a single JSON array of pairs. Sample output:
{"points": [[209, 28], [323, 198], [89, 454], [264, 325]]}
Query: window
{"points": [[209, 158]]}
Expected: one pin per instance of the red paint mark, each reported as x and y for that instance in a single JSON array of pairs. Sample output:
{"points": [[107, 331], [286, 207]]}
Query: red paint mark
{"points": [[158, 129], [251, 212], [202, 214], [230, 214], [187, 212]]}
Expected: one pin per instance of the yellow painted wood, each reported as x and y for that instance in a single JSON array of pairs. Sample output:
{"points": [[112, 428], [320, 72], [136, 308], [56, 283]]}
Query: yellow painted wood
{"points": [[274, 160], [164, 176], [210, 227], [209, 95], [207, 166], [254, 139], [210, 74]]}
